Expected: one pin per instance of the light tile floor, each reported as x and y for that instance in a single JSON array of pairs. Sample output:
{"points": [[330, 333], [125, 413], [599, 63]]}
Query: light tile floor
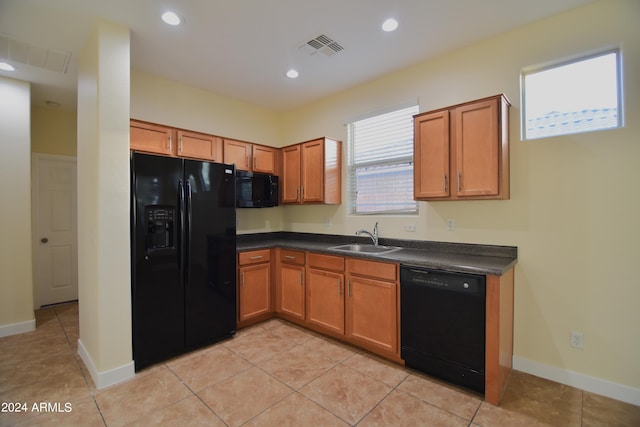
{"points": [[272, 374]]}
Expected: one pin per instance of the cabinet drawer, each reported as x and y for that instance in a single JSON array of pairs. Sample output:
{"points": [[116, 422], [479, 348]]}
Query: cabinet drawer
{"points": [[292, 257], [379, 270], [326, 262], [253, 257]]}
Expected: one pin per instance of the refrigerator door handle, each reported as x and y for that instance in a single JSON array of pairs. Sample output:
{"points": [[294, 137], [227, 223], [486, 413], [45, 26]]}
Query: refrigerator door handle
{"points": [[187, 243], [181, 246]]}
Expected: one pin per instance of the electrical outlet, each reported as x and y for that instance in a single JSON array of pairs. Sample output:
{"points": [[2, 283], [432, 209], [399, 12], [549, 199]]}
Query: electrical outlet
{"points": [[451, 225], [410, 227], [327, 221], [577, 339]]}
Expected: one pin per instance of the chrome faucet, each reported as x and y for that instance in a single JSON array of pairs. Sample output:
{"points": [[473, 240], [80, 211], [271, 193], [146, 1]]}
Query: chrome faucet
{"points": [[374, 235]]}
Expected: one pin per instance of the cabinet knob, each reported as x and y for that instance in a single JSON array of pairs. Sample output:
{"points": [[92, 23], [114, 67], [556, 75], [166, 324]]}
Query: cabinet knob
{"points": [[44, 240]]}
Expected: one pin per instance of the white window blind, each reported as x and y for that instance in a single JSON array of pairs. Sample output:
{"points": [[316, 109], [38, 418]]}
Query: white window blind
{"points": [[380, 159]]}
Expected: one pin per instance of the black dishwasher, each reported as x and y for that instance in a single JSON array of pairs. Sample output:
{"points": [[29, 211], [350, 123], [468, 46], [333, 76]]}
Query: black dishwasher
{"points": [[443, 324]]}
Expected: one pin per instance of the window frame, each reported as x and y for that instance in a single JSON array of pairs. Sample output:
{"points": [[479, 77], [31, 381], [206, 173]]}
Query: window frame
{"points": [[352, 167], [617, 51]]}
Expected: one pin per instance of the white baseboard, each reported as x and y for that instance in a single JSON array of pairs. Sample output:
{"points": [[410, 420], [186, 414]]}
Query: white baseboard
{"points": [[17, 328], [595, 385], [107, 378]]}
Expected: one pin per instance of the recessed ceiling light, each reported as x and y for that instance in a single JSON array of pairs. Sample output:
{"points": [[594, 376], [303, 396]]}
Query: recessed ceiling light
{"points": [[6, 67], [171, 18], [292, 74], [389, 25]]}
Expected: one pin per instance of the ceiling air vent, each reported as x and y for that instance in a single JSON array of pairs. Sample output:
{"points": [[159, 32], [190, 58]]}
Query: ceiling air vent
{"points": [[323, 44], [27, 53]]}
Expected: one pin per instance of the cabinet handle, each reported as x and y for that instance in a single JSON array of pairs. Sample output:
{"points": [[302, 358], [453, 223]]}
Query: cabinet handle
{"points": [[349, 288], [257, 257], [300, 272], [296, 192], [180, 150], [339, 286], [255, 163], [247, 162], [289, 257], [242, 274], [169, 147], [459, 179], [302, 192], [444, 182]]}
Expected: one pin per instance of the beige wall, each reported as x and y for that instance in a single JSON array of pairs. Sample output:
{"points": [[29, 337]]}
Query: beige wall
{"points": [[574, 205], [16, 279], [53, 131]]}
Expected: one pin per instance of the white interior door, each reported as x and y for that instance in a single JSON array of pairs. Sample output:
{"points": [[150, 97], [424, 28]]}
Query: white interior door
{"points": [[55, 239]]}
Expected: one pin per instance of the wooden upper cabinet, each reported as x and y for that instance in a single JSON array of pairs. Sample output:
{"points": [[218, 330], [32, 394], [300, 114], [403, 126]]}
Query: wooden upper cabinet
{"points": [[290, 182], [151, 138], [250, 157], [264, 159], [478, 147], [312, 172], [237, 153], [199, 146], [462, 152], [431, 154]]}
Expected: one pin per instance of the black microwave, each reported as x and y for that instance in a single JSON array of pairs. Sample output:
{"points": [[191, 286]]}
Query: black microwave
{"points": [[256, 190]]}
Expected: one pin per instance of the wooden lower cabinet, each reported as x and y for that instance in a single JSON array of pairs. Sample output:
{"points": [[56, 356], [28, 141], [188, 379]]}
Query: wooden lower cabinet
{"points": [[254, 286], [325, 300], [372, 314], [290, 284], [325, 292], [372, 306]]}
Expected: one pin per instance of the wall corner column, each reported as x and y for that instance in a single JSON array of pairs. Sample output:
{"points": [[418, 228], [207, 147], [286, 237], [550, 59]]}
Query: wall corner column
{"points": [[104, 279]]}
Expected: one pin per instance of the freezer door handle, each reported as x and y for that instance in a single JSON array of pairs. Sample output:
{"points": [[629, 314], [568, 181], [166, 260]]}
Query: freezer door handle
{"points": [[181, 246], [187, 243]]}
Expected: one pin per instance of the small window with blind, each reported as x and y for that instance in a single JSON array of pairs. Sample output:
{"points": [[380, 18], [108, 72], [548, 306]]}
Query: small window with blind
{"points": [[380, 159]]}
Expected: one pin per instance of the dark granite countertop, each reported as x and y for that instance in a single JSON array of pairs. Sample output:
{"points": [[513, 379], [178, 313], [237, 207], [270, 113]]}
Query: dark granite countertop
{"points": [[459, 257]]}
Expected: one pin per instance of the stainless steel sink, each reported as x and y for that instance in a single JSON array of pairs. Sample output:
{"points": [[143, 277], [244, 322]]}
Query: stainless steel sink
{"points": [[368, 249]]}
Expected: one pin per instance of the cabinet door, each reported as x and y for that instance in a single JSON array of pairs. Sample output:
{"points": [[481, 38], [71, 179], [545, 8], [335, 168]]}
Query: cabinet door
{"points": [[312, 171], [151, 138], [237, 153], [254, 290], [291, 290], [264, 159], [431, 155], [290, 183], [372, 313], [199, 146], [477, 146], [325, 300]]}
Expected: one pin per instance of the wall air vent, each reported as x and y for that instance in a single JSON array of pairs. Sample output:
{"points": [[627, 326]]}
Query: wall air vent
{"points": [[36, 56], [323, 44]]}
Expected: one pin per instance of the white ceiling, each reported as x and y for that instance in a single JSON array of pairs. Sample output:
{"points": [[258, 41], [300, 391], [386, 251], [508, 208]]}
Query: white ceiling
{"points": [[242, 48]]}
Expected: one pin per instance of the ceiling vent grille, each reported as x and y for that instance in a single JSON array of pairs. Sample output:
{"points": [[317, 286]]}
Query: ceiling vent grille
{"points": [[29, 54], [323, 44]]}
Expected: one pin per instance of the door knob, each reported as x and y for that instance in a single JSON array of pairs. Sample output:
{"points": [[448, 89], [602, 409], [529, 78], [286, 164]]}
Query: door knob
{"points": [[44, 240]]}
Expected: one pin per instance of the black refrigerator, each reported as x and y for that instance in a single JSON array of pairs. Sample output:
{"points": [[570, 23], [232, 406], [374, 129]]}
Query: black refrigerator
{"points": [[183, 235]]}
